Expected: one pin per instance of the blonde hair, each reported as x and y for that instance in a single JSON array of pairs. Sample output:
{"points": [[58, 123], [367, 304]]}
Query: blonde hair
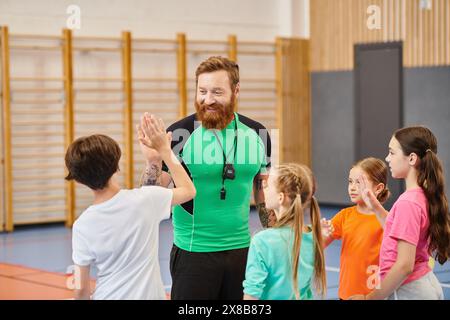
{"points": [[297, 183]]}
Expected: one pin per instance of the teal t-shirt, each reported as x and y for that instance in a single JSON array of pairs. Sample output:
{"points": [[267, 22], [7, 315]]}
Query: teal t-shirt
{"points": [[268, 275], [208, 223]]}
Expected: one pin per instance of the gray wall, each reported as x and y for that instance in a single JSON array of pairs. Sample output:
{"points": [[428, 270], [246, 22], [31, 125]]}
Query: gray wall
{"points": [[426, 102], [332, 133]]}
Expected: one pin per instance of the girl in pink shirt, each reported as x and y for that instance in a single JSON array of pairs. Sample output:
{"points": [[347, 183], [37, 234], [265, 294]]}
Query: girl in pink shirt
{"points": [[418, 224]]}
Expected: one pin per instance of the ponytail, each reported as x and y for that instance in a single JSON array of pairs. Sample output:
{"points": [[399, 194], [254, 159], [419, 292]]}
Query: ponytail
{"points": [[294, 217], [384, 195], [431, 180], [320, 280], [298, 234], [421, 141], [297, 183]]}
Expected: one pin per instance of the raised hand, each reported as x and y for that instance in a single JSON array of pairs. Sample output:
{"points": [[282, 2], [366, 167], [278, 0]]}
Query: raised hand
{"points": [[327, 227], [367, 194], [152, 133], [149, 153]]}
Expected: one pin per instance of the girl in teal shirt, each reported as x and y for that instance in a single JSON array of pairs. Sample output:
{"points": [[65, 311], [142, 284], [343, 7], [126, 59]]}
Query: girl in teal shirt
{"points": [[285, 260]]}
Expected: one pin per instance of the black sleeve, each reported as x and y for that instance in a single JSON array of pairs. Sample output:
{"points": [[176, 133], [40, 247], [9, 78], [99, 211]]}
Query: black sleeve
{"points": [[263, 134]]}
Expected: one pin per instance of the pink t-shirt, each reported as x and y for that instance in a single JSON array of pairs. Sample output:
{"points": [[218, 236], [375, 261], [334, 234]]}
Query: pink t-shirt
{"points": [[407, 221]]}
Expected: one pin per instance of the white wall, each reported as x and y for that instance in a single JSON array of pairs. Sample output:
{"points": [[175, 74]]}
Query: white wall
{"points": [[294, 18], [204, 19]]}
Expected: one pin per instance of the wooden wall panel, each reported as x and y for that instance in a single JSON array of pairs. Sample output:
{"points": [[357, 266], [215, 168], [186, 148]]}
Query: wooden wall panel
{"points": [[338, 24], [2, 160], [294, 107]]}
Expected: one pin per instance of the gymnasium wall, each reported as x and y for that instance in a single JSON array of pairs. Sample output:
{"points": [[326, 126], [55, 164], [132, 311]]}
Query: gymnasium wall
{"points": [[250, 19], [337, 24], [426, 101], [98, 58], [425, 34], [333, 140]]}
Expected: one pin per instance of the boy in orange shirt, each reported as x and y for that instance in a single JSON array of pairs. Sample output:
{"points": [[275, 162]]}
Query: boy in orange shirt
{"points": [[360, 230]]}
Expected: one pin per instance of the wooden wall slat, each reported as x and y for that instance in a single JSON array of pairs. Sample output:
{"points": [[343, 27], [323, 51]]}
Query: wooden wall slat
{"points": [[295, 98], [385, 19], [338, 24], [447, 31], [416, 33], [441, 27], [6, 109], [128, 108], [69, 119], [407, 51], [2, 167], [446, 17]]}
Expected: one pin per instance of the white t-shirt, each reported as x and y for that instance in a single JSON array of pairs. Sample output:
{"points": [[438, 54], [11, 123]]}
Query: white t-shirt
{"points": [[120, 237]]}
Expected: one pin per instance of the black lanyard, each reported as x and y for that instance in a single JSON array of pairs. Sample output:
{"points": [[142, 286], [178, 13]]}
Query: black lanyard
{"points": [[228, 171]]}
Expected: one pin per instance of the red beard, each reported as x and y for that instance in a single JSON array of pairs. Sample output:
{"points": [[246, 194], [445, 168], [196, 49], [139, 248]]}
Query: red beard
{"points": [[218, 119]]}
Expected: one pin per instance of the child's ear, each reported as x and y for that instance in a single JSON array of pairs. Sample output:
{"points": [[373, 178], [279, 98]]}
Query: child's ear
{"points": [[281, 198], [379, 188], [412, 159]]}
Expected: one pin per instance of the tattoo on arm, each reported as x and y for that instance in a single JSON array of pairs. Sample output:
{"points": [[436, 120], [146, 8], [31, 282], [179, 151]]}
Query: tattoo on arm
{"points": [[263, 214], [259, 184], [151, 176]]}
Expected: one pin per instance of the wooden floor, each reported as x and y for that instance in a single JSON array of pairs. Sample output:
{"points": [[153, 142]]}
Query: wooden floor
{"points": [[23, 283]]}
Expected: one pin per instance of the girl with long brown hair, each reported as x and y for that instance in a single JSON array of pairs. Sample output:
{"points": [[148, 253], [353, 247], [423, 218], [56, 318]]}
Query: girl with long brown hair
{"points": [[418, 224], [285, 260]]}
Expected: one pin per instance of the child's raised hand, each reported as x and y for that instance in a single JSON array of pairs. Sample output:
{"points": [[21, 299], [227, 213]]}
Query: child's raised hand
{"points": [[154, 133], [367, 194], [150, 154], [327, 227]]}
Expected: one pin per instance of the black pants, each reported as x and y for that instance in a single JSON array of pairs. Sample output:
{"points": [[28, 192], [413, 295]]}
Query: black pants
{"points": [[207, 275]]}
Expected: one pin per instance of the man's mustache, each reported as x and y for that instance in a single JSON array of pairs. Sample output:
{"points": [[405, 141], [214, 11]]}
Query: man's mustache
{"points": [[211, 106]]}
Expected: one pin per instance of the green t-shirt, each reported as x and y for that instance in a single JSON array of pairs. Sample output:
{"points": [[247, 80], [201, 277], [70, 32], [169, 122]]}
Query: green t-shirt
{"points": [[208, 223]]}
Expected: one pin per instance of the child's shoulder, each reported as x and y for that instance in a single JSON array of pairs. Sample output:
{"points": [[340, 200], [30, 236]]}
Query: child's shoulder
{"points": [[142, 192], [347, 211], [413, 201], [416, 196], [83, 220], [149, 189], [269, 236]]}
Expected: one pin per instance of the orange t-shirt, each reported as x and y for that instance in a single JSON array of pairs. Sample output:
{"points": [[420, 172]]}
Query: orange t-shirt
{"points": [[361, 236]]}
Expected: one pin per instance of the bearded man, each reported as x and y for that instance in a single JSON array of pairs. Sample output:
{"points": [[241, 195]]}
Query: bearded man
{"points": [[226, 155]]}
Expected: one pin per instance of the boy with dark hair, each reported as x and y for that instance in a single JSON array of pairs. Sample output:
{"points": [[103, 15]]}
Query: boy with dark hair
{"points": [[119, 232]]}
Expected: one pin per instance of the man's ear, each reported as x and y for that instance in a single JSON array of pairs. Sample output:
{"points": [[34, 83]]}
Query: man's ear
{"points": [[237, 90]]}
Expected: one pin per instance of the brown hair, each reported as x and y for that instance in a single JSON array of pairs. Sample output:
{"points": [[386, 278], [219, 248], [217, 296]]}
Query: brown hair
{"points": [[421, 141], [217, 63], [297, 182], [92, 160], [377, 171]]}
